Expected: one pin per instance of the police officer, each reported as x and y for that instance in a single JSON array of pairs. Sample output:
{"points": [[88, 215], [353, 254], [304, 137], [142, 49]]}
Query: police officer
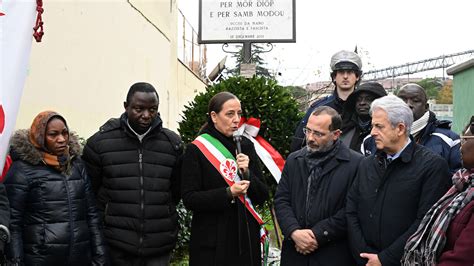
{"points": [[346, 71]]}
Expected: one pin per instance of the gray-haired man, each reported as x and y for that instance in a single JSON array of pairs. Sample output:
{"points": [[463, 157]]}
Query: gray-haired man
{"points": [[394, 187]]}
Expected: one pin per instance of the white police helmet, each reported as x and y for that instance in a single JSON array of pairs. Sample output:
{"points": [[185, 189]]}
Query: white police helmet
{"points": [[346, 60]]}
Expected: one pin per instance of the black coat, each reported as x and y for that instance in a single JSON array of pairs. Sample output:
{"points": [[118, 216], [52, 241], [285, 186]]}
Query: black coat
{"points": [[53, 216], [328, 211], [385, 207], [136, 186], [218, 232], [4, 213]]}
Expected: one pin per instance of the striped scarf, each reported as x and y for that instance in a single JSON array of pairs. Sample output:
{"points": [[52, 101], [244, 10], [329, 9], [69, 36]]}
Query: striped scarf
{"points": [[419, 124], [425, 246]]}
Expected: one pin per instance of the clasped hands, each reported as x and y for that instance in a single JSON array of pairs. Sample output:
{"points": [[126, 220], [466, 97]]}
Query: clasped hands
{"points": [[305, 241]]}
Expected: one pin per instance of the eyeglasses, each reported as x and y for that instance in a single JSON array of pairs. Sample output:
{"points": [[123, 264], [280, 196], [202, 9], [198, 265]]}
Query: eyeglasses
{"points": [[315, 133]]}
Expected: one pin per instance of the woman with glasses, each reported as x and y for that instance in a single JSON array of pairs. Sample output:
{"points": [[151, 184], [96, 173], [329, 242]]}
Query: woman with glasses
{"points": [[446, 233]]}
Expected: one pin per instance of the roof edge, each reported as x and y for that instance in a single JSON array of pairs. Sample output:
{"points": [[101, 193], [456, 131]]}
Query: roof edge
{"points": [[460, 67]]}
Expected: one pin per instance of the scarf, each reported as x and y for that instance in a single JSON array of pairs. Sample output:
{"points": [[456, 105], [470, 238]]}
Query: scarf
{"points": [[427, 243], [419, 124], [365, 126], [37, 137], [315, 162]]}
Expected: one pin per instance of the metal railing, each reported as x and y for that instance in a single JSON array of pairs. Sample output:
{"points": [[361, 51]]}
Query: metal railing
{"points": [[443, 61]]}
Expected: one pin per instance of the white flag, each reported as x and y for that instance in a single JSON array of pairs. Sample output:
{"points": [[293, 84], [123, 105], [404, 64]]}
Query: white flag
{"points": [[17, 19]]}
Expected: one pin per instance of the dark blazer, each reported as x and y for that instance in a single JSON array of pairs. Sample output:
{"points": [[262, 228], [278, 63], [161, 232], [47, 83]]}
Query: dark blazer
{"points": [[328, 222], [219, 227], [385, 207]]}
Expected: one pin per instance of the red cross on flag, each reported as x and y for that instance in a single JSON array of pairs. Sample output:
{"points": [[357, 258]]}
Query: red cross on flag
{"points": [[17, 19]]}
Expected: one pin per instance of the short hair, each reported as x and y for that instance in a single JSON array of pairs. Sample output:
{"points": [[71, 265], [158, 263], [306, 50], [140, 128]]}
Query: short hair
{"points": [[141, 87], [415, 86], [336, 120], [397, 111]]}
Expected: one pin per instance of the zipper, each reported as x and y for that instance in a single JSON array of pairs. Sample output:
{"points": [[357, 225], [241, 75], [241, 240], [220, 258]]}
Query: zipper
{"points": [[142, 201], [71, 220]]}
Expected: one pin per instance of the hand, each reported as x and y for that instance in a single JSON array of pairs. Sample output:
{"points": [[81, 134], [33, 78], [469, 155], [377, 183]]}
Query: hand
{"points": [[305, 241], [239, 188], [373, 259], [243, 163]]}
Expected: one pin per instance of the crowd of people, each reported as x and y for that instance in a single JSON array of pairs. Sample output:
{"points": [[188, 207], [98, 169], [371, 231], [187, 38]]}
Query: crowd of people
{"points": [[373, 179]]}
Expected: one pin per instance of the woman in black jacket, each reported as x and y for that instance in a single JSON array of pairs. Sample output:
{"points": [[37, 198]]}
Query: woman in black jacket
{"points": [[223, 231], [53, 215]]}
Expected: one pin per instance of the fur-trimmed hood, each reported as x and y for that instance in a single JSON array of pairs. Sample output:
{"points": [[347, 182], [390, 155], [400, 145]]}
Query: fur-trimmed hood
{"points": [[22, 149]]}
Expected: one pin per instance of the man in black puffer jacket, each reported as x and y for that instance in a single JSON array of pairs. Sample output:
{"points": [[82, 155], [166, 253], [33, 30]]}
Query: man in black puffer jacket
{"points": [[133, 164]]}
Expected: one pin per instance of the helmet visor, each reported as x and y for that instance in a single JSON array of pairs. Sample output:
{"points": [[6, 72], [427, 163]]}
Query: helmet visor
{"points": [[346, 66]]}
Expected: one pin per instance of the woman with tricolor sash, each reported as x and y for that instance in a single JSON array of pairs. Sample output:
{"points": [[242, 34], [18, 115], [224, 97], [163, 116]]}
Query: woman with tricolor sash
{"points": [[222, 188]]}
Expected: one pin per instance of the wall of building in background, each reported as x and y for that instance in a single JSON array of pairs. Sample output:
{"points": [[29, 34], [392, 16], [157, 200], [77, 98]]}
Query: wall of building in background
{"points": [[91, 53], [463, 93]]}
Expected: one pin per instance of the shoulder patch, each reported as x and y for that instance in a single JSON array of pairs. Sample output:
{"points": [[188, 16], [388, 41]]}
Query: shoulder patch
{"points": [[363, 149], [447, 139]]}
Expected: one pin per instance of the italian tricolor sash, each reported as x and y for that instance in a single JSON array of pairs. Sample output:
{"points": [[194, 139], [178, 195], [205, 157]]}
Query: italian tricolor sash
{"points": [[224, 162]]}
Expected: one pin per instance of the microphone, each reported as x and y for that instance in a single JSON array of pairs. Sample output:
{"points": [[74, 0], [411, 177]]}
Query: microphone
{"points": [[237, 136], [237, 139]]}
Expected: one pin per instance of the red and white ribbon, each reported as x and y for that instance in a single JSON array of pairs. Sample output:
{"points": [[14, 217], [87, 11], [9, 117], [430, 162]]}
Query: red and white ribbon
{"points": [[269, 156]]}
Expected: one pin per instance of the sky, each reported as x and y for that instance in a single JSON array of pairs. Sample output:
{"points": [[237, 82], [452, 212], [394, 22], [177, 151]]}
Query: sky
{"points": [[387, 33]]}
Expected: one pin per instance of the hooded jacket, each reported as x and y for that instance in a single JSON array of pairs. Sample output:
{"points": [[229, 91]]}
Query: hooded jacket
{"points": [[352, 132], [137, 186], [53, 215]]}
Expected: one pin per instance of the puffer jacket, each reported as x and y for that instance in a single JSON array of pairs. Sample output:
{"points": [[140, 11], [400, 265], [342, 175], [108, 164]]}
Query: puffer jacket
{"points": [[136, 183], [53, 216]]}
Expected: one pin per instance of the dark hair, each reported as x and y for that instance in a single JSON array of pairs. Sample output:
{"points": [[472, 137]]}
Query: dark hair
{"points": [[60, 117], [336, 120], [358, 74], [141, 87], [215, 105], [218, 100]]}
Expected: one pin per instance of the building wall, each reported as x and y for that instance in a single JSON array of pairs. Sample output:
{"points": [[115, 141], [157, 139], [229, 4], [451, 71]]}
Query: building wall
{"points": [[463, 94], [91, 53], [190, 85]]}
